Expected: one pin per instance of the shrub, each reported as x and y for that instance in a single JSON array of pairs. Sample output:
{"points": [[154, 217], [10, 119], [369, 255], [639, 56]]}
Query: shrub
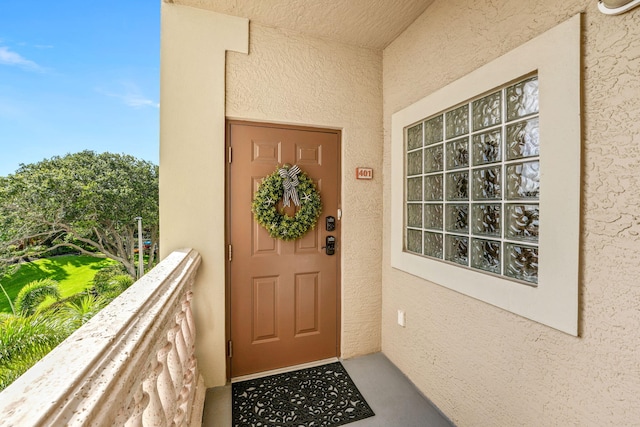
{"points": [[25, 340], [76, 313], [116, 285], [33, 293], [102, 281]]}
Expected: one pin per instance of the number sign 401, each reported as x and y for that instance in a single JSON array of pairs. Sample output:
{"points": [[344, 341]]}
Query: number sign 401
{"points": [[364, 173]]}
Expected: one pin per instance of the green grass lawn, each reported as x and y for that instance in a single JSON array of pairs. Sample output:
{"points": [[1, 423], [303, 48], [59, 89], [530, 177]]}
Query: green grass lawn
{"points": [[73, 272]]}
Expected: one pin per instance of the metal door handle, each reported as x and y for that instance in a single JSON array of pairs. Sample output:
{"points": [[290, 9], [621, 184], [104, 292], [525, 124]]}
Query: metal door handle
{"points": [[330, 247]]}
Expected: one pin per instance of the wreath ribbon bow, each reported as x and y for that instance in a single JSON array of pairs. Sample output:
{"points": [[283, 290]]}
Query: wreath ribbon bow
{"points": [[289, 183]]}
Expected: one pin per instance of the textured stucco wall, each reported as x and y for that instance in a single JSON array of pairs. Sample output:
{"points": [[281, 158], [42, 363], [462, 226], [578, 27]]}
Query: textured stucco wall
{"points": [[479, 364], [295, 79]]}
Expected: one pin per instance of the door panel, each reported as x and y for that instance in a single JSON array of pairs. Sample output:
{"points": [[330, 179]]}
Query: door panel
{"points": [[284, 307], [264, 319], [306, 304]]}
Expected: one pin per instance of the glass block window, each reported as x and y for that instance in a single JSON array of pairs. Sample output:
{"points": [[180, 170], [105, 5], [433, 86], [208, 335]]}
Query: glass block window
{"points": [[472, 184], [478, 164]]}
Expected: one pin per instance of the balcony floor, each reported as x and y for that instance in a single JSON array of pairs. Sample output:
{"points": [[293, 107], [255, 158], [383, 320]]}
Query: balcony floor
{"points": [[393, 398]]}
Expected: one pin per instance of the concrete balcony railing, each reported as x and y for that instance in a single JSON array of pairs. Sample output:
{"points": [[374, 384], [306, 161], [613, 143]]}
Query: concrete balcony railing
{"points": [[133, 364]]}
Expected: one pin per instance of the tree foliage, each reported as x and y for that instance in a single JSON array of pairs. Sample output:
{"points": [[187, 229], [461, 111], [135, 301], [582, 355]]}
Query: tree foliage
{"points": [[24, 341], [28, 335], [85, 201], [110, 282], [34, 293], [74, 314], [104, 277]]}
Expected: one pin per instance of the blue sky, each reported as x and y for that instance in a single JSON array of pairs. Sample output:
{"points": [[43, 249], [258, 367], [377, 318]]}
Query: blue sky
{"points": [[77, 75]]}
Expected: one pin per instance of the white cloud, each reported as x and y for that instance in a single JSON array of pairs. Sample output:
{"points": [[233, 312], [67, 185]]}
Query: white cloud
{"points": [[8, 57], [137, 101], [131, 95]]}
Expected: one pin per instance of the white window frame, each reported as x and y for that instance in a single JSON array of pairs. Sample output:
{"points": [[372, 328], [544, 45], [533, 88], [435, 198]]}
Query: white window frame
{"points": [[555, 56]]}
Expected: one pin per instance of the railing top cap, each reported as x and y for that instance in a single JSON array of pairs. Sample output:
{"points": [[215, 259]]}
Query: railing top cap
{"points": [[76, 368]]}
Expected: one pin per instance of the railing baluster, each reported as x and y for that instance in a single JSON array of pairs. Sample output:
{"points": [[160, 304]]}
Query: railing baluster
{"points": [[140, 402], [165, 385], [153, 414], [173, 361], [183, 352]]}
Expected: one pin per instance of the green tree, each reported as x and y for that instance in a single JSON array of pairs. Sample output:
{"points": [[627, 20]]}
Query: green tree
{"points": [[76, 313], [29, 334], [24, 341], [34, 293], [103, 279], [110, 283], [4, 271], [85, 201]]}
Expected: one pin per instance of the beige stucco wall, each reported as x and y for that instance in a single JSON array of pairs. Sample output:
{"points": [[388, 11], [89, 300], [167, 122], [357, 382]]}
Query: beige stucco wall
{"points": [[192, 161], [285, 78], [294, 79], [479, 364]]}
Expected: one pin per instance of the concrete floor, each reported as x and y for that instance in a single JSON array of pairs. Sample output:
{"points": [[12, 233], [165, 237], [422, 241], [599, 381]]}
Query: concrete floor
{"points": [[394, 399]]}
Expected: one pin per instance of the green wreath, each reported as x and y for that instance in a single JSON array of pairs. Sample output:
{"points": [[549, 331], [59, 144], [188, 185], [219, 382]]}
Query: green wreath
{"points": [[275, 221]]}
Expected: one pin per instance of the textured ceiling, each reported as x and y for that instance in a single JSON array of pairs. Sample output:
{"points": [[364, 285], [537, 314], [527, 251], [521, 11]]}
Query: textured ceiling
{"points": [[369, 23]]}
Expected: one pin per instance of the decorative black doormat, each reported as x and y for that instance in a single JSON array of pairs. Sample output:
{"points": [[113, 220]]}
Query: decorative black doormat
{"points": [[320, 396]]}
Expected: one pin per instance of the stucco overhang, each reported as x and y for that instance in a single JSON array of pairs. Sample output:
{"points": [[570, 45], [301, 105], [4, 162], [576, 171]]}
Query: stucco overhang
{"points": [[366, 23]]}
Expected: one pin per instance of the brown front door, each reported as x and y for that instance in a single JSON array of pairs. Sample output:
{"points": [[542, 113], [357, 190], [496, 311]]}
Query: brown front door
{"points": [[284, 295]]}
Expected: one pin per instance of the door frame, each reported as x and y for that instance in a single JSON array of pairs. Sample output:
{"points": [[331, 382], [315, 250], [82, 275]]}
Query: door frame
{"points": [[227, 232]]}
